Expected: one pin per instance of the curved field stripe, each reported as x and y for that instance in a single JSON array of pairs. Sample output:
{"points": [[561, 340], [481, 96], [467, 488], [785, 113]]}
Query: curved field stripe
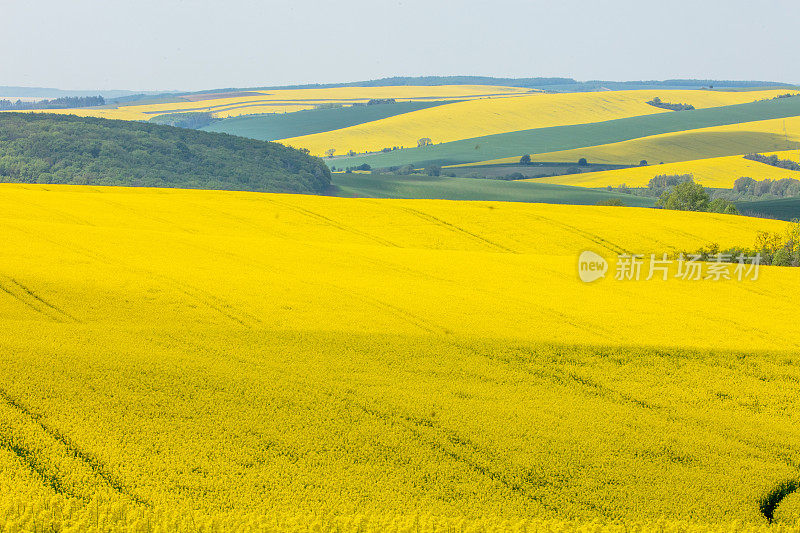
{"points": [[278, 126], [282, 98], [543, 140], [494, 116], [712, 172], [446, 188], [760, 136]]}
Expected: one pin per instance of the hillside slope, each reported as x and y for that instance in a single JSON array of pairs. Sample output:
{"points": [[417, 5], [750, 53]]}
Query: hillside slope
{"points": [[268, 127], [765, 119], [446, 188], [719, 172], [230, 360], [236, 103], [479, 118], [44, 148]]}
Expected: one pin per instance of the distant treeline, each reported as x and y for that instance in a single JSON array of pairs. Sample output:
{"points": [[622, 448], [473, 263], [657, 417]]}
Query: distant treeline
{"points": [[47, 148], [192, 120], [743, 188], [784, 95], [774, 161], [524, 82], [656, 102], [782, 188], [57, 103]]}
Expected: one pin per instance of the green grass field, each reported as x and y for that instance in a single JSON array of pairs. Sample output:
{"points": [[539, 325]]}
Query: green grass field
{"points": [[445, 188], [268, 127], [781, 209], [543, 140]]}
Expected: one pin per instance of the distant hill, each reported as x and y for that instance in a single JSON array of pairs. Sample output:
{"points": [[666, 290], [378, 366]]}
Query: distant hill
{"points": [[553, 84], [46, 92], [271, 126], [48, 148]]}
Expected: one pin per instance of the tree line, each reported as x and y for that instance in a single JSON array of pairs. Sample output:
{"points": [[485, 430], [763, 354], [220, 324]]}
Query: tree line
{"points": [[656, 102], [66, 102]]}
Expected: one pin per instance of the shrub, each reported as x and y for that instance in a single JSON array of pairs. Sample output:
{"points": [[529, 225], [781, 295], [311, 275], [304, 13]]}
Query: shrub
{"points": [[433, 170], [686, 196]]}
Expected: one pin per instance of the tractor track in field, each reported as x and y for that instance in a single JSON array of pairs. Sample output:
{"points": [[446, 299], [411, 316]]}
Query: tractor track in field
{"points": [[456, 229], [97, 467], [617, 249], [453, 446], [33, 301], [330, 222], [198, 295]]}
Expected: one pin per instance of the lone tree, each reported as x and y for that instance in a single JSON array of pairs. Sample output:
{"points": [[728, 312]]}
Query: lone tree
{"points": [[433, 170], [525, 159], [329, 152], [686, 196], [582, 162], [643, 163], [425, 141]]}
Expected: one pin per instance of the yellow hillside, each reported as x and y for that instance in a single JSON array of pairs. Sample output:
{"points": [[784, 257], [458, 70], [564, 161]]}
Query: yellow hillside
{"points": [[289, 100], [770, 136], [476, 118], [718, 172], [340, 242], [219, 361]]}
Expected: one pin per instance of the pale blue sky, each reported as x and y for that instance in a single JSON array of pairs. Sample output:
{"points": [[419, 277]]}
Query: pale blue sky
{"points": [[196, 44]]}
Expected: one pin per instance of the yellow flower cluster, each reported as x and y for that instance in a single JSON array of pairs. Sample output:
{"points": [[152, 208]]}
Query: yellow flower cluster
{"points": [[59, 514]]}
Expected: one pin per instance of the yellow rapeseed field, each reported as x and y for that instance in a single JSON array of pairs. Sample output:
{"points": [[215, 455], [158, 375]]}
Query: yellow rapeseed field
{"points": [[180, 360], [775, 135], [480, 117], [718, 172], [289, 100]]}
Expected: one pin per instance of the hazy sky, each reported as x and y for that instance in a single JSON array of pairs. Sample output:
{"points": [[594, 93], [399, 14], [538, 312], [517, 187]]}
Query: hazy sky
{"points": [[196, 44]]}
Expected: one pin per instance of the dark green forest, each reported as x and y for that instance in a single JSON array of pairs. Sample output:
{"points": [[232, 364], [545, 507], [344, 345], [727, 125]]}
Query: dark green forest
{"points": [[46, 148]]}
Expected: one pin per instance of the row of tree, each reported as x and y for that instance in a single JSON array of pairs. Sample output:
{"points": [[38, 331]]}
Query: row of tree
{"points": [[782, 188], [773, 160], [66, 102], [656, 102]]}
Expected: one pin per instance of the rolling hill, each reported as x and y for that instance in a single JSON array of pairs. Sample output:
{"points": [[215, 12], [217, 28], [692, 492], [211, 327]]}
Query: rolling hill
{"points": [[232, 103], [774, 135], [718, 172], [208, 359], [47, 148], [742, 128], [483, 117], [270, 127], [446, 188], [781, 208]]}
